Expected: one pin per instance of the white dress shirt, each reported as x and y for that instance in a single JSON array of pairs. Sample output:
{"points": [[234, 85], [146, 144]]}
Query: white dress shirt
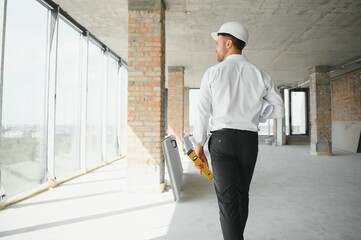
{"points": [[233, 94]]}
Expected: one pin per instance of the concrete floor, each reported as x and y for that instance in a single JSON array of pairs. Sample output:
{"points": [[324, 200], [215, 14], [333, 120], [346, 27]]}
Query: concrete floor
{"points": [[294, 196]]}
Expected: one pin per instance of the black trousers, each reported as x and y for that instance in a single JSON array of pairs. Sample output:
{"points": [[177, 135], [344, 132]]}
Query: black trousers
{"points": [[234, 155]]}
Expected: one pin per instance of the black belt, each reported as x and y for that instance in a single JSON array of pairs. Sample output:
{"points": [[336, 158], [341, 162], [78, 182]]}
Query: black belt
{"points": [[231, 130]]}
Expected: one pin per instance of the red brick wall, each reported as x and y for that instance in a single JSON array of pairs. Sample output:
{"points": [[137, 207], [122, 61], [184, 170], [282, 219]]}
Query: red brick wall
{"points": [[346, 97], [320, 106], [176, 102], [146, 85]]}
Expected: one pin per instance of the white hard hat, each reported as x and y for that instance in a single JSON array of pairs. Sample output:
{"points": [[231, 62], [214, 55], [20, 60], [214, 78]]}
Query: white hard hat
{"points": [[235, 29]]}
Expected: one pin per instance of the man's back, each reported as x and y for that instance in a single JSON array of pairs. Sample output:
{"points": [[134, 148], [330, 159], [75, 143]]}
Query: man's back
{"points": [[237, 88]]}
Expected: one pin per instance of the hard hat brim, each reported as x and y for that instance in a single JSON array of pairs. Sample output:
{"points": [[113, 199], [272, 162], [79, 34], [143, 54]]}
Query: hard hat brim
{"points": [[214, 35]]}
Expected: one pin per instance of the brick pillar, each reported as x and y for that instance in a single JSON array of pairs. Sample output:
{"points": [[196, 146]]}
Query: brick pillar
{"points": [[320, 111], [146, 95], [186, 111], [176, 103]]}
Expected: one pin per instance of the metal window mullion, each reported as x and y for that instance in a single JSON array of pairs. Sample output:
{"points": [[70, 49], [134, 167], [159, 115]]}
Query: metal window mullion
{"points": [[83, 96], [51, 68]]}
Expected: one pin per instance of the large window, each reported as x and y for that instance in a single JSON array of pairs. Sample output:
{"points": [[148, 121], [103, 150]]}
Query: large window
{"points": [[62, 102], [298, 111], [23, 117], [111, 138], [94, 105], [67, 103]]}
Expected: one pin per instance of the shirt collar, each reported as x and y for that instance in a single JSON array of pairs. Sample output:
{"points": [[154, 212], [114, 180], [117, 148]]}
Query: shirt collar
{"points": [[236, 56]]}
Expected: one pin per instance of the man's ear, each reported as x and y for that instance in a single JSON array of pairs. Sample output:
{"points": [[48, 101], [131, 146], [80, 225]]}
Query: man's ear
{"points": [[229, 43]]}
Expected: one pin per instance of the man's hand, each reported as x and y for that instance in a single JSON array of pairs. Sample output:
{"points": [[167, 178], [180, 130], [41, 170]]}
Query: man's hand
{"points": [[200, 153]]}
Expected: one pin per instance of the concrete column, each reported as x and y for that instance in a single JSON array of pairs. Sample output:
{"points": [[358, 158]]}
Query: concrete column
{"points": [[146, 95], [281, 126], [176, 103], [320, 111], [279, 129], [279, 135]]}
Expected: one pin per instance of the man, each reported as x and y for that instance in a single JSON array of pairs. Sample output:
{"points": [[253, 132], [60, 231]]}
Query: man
{"points": [[232, 96]]}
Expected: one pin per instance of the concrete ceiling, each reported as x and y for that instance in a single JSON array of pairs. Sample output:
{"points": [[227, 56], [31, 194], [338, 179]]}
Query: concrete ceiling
{"points": [[287, 37]]}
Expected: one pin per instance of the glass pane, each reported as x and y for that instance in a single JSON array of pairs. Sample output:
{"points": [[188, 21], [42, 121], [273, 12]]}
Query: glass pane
{"points": [[112, 118], [94, 106], [22, 145], [287, 110], [67, 120], [298, 111]]}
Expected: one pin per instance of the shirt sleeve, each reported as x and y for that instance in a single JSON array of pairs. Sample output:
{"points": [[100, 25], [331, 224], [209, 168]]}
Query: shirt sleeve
{"points": [[273, 97], [266, 111], [204, 108]]}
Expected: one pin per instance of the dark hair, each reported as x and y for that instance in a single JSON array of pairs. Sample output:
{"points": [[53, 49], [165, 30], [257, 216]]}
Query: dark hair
{"points": [[237, 42]]}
